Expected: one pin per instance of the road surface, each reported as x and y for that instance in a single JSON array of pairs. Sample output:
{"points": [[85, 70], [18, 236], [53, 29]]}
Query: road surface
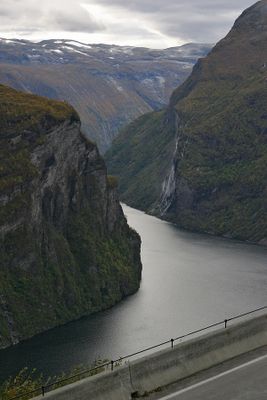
{"points": [[245, 381]]}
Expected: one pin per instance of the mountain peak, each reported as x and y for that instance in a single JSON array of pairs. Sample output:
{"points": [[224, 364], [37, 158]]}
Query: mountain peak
{"points": [[244, 48], [253, 18], [210, 144]]}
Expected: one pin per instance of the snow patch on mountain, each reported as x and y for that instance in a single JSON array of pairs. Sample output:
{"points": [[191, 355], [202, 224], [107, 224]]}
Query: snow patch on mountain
{"points": [[115, 83], [9, 41], [57, 51], [72, 50], [78, 44], [161, 80]]}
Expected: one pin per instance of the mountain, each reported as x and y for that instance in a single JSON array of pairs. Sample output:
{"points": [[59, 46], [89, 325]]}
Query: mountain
{"points": [[202, 162], [66, 249], [108, 85]]}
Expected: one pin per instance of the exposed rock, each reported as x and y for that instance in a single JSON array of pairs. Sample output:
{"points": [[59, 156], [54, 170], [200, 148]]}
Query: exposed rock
{"points": [[207, 172], [66, 248], [108, 85]]}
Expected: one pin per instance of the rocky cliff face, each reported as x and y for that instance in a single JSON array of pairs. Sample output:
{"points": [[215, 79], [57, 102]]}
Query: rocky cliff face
{"points": [[66, 248], [211, 162], [108, 85]]}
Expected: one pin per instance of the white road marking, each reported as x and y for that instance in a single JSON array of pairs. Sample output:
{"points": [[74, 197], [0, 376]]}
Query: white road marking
{"points": [[213, 378]]}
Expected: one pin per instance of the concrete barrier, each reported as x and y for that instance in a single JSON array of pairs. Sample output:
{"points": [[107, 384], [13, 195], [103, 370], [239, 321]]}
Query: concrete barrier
{"points": [[168, 366]]}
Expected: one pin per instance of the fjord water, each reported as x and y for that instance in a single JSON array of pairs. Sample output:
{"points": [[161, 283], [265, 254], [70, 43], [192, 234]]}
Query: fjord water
{"points": [[189, 281]]}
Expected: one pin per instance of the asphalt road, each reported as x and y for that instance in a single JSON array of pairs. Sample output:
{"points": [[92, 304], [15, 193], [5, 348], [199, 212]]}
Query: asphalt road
{"points": [[247, 381]]}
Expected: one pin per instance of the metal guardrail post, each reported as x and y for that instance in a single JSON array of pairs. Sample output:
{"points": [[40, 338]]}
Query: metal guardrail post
{"points": [[217, 324]]}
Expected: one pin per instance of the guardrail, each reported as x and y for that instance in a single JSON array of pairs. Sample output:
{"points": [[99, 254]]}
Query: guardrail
{"points": [[111, 364]]}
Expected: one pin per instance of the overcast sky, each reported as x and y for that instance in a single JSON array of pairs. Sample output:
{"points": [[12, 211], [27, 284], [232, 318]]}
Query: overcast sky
{"points": [[151, 23]]}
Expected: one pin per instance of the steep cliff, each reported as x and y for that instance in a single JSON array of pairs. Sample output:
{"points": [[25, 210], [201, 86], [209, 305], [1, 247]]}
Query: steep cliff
{"points": [[216, 125], [66, 249]]}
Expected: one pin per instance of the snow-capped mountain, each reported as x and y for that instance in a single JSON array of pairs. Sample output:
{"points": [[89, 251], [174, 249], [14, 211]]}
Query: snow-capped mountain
{"points": [[109, 85]]}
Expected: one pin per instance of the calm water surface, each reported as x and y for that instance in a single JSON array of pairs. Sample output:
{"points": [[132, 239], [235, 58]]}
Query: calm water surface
{"points": [[189, 280]]}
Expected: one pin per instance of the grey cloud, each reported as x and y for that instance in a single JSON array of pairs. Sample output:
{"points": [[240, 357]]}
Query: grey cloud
{"points": [[56, 15], [76, 21], [4, 13], [8, 9], [198, 20], [184, 20]]}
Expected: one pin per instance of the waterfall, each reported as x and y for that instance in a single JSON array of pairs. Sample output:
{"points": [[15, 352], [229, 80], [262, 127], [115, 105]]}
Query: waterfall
{"points": [[168, 191], [169, 184]]}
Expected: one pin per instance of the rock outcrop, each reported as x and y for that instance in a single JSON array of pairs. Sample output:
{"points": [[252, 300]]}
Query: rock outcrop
{"points": [[202, 162], [66, 249]]}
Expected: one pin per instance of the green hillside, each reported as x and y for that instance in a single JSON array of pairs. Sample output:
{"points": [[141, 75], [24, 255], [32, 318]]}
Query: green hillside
{"points": [[217, 179], [66, 249], [140, 157]]}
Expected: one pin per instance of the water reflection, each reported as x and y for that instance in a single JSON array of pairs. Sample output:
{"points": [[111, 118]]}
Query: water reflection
{"points": [[189, 281]]}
